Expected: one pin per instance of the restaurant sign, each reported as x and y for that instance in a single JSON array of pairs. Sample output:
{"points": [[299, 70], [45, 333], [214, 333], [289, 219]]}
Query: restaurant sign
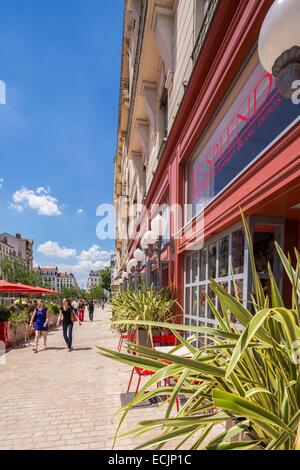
{"points": [[255, 119]]}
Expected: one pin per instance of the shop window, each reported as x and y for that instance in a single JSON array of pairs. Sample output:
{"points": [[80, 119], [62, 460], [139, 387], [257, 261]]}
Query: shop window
{"points": [[195, 268], [225, 261], [223, 256], [238, 243], [253, 116], [212, 260]]}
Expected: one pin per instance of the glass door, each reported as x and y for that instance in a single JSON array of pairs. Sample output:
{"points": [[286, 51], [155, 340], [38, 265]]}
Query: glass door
{"points": [[265, 234]]}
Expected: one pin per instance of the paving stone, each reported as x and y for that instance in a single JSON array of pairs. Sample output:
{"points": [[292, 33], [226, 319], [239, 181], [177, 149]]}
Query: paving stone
{"points": [[61, 400]]}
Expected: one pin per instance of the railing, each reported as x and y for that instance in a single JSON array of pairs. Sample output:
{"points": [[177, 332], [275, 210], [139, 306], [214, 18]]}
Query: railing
{"points": [[136, 67], [161, 149], [204, 28]]}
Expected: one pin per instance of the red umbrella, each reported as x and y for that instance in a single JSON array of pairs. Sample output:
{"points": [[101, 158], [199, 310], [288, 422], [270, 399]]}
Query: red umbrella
{"points": [[9, 287]]}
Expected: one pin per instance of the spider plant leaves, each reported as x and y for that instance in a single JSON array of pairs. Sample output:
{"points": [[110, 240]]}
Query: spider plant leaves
{"points": [[247, 408], [246, 337], [249, 371]]}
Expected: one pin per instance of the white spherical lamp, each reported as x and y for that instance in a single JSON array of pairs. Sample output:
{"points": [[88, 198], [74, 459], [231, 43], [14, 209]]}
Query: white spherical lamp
{"points": [[132, 263], [159, 225], [138, 255], [150, 238], [144, 244], [279, 44]]}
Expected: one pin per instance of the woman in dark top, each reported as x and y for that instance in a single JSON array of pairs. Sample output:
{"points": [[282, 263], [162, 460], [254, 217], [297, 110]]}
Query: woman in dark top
{"points": [[68, 316]]}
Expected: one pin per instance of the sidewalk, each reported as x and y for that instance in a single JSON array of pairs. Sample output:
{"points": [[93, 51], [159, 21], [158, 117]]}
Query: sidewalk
{"points": [[61, 400]]}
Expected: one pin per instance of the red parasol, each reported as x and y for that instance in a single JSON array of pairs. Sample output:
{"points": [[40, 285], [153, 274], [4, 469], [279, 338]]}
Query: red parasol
{"points": [[9, 287]]}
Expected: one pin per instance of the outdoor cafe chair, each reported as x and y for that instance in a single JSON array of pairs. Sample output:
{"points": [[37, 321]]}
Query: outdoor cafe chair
{"points": [[162, 340]]}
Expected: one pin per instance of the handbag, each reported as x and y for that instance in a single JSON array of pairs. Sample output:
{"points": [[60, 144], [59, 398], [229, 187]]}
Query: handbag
{"points": [[73, 317]]}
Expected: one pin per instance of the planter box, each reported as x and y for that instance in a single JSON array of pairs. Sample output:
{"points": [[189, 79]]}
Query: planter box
{"points": [[143, 337], [17, 337], [4, 333]]}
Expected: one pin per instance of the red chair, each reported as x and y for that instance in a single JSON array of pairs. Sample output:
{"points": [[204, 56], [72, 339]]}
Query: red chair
{"points": [[162, 340], [127, 337]]}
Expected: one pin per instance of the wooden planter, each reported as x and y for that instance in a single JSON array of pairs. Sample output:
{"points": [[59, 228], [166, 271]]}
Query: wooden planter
{"points": [[143, 338]]}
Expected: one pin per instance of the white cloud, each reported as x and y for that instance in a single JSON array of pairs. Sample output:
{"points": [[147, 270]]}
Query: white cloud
{"points": [[1, 182], [80, 211], [92, 259], [39, 200], [53, 250]]}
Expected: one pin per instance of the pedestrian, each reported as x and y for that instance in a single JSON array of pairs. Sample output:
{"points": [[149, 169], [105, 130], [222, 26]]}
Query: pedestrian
{"points": [[103, 304], [40, 322], [75, 306], [68, 317], [91, 309], [81, 310]]}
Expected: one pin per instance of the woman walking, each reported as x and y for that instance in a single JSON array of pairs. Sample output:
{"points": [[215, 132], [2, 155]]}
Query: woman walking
{"points": [[68, 317], [40, 322], [81, 311]]}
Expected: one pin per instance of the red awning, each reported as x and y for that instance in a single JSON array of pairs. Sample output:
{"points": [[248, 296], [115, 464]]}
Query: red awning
{"points": [[9, 287]]}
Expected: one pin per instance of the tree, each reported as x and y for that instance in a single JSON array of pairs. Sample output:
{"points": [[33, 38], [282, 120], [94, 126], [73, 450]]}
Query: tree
{"points": [[97, 293], [105, 281], [13, 270], [72, 292]]}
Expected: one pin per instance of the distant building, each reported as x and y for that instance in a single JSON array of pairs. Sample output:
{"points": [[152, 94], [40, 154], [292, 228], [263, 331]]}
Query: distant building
{"points": [[56, 280], [23, 247], [7, 251], [93, 279]]}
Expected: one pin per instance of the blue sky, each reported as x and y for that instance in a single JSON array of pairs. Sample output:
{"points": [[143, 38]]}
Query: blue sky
{"points": [[60, 61]]}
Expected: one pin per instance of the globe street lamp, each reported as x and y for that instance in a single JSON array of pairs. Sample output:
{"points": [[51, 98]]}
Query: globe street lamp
{"points": [[125, 277], [152, 243], [279, 44], [138, 255]]}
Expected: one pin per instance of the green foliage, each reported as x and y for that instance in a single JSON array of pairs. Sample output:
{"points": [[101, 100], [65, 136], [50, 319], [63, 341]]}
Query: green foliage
{"points": [[13, 270], [248, 377], [142, 305], [53, 308], [105, 282], [97, 293], [4, 313], [19, 318], [71, 293]]}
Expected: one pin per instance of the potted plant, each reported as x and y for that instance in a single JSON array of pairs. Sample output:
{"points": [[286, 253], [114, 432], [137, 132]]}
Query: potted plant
{"points": [[53, 310], [19, 321], [4, 325], [142, 305], [247, 379]]}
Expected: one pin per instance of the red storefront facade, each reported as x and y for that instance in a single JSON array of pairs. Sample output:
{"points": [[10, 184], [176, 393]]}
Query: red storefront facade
{"points": [[265, 184]]}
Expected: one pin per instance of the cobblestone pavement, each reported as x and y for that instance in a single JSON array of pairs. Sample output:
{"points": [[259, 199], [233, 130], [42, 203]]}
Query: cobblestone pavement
{"points": [[61, 400]]}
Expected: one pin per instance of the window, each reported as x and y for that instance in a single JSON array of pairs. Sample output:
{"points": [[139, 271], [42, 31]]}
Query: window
{"points": [[222, 259], [252, 117]]}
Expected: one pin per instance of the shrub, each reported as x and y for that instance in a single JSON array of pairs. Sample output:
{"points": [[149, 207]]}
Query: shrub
{"points": [[142, 305], [4, 313], [248, 377]]}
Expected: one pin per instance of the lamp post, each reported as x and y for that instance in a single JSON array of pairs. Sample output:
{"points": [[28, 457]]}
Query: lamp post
{"points": [[130, 266], [279, 44], [138, 255], [152, 243], [125, 277]]}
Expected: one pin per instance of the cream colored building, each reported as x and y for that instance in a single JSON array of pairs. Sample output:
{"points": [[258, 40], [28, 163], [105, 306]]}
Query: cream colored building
{"points": [[7, 251], [161, 42], [23, 247], [56, 280], [93, 279]]}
